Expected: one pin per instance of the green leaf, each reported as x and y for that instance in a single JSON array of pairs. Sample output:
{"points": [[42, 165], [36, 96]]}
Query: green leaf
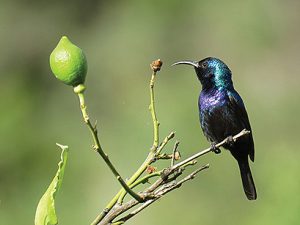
{"points": [[45, 212]]}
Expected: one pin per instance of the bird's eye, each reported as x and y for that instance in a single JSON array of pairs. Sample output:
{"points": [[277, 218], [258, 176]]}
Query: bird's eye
{"points": [[204, 65]]}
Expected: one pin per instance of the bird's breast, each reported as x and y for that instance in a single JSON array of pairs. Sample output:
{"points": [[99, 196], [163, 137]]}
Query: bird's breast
{"points": [[209, 101], [214, 114]]}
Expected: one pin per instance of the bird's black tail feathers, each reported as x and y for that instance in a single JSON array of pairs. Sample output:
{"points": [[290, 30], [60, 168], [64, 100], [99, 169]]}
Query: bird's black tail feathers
{"points": [[247, 180]]}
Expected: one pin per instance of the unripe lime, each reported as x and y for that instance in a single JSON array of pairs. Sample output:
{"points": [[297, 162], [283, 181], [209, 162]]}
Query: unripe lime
{"points": [[68, 62]]}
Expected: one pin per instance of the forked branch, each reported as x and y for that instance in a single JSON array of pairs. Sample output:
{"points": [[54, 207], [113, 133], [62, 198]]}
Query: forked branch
{"points": [[164, 184], [167, 179]]}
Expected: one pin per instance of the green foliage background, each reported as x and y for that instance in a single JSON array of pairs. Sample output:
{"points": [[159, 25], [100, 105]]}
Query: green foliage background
{"points": [[258, 39]]}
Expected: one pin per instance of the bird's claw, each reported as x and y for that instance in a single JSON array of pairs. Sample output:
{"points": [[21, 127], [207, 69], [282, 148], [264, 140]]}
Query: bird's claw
{"points": [[214, 148], [230, 141]]}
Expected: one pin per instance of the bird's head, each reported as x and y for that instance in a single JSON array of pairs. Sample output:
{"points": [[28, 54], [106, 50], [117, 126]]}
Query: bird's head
{"points": [[211, 72]]}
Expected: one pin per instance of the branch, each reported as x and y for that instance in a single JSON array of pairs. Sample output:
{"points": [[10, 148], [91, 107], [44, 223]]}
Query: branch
{"points": [[160, 193], [97, 147], [220, 144], [163, 185], [155, 66], [167, 180]]}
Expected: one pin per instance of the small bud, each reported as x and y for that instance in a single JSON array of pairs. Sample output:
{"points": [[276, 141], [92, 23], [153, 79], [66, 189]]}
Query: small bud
{"points": [[177, 155], [171, 135], [151, 169], [156, 65], [68, 63]]}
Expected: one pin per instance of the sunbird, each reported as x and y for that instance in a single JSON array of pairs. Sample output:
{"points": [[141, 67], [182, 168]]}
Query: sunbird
{"points": [[223, 114]]}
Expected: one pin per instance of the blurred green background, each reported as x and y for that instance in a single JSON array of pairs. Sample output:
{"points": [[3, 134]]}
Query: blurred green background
{"points": [[259, 40]]}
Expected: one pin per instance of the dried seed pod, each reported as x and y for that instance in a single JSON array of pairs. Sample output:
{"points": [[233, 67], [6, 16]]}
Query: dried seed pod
{"points": [[156, 65]]}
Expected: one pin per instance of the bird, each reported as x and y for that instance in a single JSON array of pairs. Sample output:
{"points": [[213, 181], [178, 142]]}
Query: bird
{"points": [[222, 114]]}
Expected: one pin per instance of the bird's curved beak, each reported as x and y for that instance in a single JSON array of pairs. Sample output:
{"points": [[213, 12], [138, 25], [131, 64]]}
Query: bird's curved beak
{"points": [[187, 62]]}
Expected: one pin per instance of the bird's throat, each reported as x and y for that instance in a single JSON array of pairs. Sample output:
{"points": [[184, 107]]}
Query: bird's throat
{"points": [[212, 97]]}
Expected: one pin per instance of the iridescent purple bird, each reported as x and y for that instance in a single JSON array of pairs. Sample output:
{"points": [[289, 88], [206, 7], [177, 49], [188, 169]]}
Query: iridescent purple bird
{"points": [[222, 114]]}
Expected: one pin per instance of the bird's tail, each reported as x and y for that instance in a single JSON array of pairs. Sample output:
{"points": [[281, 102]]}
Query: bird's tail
{"points": [[247, 180]]}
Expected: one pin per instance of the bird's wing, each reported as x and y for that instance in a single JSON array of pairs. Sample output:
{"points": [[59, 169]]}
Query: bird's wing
{"points": [[238, 107]]}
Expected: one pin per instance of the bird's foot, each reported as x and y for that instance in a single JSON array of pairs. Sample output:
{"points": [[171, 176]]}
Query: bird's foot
{"points": [[230, 141], [214, 148]]}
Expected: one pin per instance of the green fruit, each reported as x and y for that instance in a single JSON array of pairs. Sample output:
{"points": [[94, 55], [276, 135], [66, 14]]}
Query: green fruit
{"points": [[68, 62]]}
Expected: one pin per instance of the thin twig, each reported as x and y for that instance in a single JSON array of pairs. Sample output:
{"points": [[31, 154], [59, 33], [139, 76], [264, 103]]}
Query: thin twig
{"points": [[155, 66], [137, 182], [164, 143], [98, 148], [220, 144], [156, 149], [160, 193], [153, 113]]}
